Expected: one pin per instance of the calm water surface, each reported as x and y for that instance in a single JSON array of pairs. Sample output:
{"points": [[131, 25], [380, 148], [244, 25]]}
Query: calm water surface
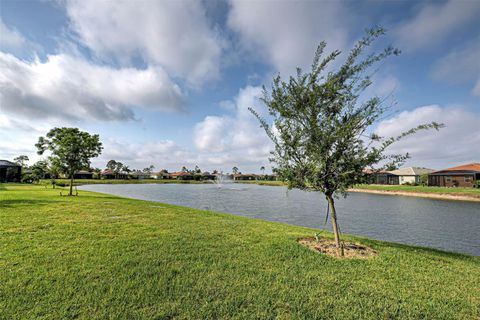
{"points": [[447, 225]]}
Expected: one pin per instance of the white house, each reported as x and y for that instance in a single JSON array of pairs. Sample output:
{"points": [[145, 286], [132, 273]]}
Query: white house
{"points": [[411, 174]]}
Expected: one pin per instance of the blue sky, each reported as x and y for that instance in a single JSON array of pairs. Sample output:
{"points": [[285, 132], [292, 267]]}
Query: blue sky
{"points": [[168, 83]]}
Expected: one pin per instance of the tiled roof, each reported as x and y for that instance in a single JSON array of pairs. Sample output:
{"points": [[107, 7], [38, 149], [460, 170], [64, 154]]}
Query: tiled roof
{"points": [[465, 167], [178, 174]]}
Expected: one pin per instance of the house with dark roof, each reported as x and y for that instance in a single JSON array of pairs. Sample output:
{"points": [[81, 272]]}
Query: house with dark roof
{"points": [[462, 176], [10, 171], [244, 176], [380, 177], [140, 175], [110, 174], [83, 174]]}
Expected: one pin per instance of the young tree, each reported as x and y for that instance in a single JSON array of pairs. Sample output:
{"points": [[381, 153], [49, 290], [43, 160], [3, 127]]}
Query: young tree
{"points": [[320, 125], [21, 160], [111, 164], [71, 149], [149, 169]]}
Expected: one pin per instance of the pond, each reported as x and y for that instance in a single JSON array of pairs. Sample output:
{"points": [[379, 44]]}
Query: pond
{"points": [[447, 225]]}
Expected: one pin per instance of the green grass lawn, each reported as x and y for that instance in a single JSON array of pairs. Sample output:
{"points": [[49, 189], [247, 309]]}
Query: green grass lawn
{"points": [[425, 189], [103, 257]]}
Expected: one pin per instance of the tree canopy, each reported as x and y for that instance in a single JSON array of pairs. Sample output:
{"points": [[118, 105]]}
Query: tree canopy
{"points": [[321, 124], [71, 149]]}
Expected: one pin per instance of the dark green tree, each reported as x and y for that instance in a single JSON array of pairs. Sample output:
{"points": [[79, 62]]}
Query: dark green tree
{"points": [[235, 170], [116, 167], [71, 149], [262, 168], [321, 123], [21, 160]]}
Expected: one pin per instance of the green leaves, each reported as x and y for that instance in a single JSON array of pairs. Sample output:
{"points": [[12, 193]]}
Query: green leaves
{"points": [[71, 149], [319, 125]]}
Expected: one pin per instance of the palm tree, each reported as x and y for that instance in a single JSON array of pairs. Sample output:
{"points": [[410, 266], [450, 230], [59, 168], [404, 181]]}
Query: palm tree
{"points": [[235, 170]]}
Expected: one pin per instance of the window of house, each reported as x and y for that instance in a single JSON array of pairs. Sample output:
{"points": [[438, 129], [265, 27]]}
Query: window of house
{"points": [[448, 179], [468, 178]]}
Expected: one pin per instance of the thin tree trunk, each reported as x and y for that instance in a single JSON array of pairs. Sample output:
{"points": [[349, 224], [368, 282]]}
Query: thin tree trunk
{"points": [[333, 214], [71, 185]]}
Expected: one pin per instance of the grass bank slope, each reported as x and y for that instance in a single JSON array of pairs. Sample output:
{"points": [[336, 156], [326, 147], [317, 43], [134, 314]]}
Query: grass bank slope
{"points": [[98, 256], [468, 194]]}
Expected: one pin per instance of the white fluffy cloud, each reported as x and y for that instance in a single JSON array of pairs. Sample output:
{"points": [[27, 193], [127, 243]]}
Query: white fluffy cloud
{"points": [[173, 34], [286, 33], [457, 143], [434, 22], [68, 87], [234, 139]]}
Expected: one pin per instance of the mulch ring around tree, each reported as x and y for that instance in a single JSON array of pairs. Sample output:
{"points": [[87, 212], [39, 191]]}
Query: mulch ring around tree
{"points": [[327, 246]]}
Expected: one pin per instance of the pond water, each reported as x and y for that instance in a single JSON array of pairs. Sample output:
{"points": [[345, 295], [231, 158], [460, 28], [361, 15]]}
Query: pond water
{"points": [[446, 225]]}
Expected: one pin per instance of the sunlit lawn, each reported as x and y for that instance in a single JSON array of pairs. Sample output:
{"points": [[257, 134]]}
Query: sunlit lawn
{"points": [[98, 256]]}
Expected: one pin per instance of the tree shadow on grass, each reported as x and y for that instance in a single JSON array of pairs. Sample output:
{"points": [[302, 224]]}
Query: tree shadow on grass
{"points": [[15, 203]]}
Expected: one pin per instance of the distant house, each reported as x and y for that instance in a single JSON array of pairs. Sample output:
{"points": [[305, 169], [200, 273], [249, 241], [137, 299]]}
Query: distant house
{"points": [[462, 176], [10, 172], [139, 175], [83, 174], [110, 174], [208, 176], [380, 177], [410, 175], [247, 176], [181, 175], [160, 175]]}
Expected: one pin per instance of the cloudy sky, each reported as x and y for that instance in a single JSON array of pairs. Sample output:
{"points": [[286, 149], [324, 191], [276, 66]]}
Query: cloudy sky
{"points": [[168, 83]]}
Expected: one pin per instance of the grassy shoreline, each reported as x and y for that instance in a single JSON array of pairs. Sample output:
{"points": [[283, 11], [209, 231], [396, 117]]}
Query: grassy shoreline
{"points": [[99, 256], [460, 194]]}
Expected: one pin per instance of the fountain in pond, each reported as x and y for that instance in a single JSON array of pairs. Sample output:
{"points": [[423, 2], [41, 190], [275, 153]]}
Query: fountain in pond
{"points": [[222, 179]]}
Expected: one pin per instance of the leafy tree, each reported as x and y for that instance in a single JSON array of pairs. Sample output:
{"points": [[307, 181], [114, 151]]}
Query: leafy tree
{"points": [[126, 169], [197, 169], [149, 169], [21, 160], [116, 167], [184, 169], [111, 164], [262, 168], [235, 170], [38, 170], [424, 179], [71, 149], [320, 125]]}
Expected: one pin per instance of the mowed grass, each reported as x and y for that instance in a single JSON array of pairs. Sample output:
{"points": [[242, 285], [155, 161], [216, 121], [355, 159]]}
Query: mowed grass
{"points": [[102, 257], [422, 189]]}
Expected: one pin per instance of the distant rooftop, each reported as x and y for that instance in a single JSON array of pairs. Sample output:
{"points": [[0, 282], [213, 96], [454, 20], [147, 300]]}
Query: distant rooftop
{"points": [[465, 167], [411, 171], [6, 164]]}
